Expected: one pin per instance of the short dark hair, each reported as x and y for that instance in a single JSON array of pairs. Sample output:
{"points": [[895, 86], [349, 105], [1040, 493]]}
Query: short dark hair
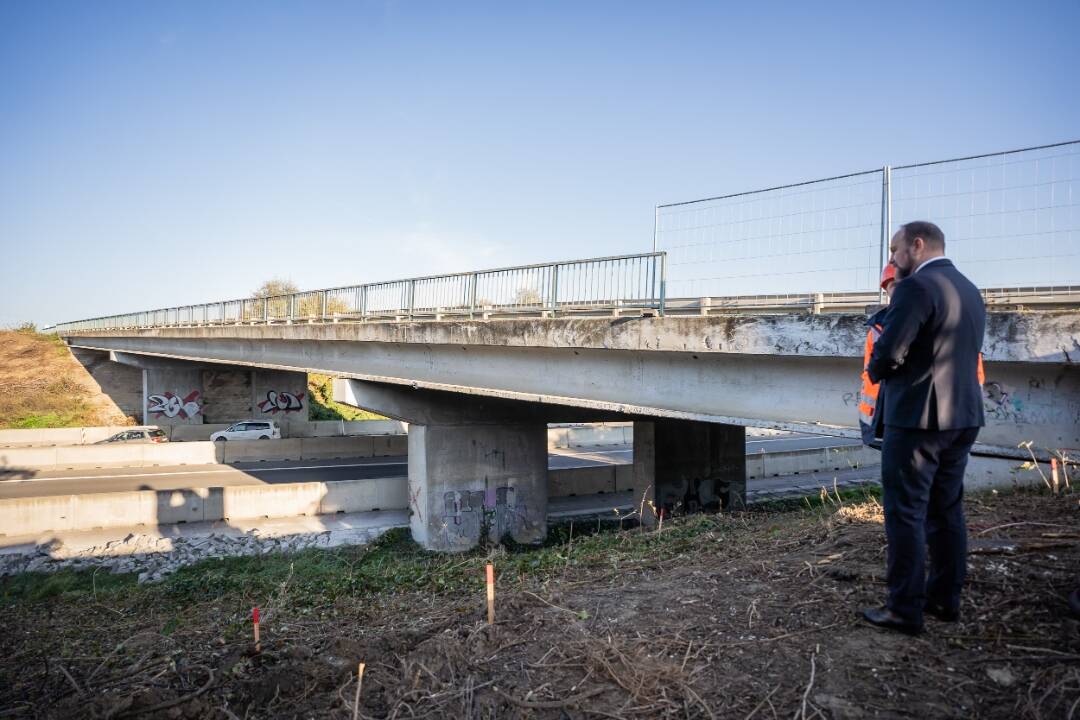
{"points": [[928, 231]]}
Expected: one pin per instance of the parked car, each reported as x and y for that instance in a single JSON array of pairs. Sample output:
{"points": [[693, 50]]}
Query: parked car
{"points": [[249, 430], [137, 435]]}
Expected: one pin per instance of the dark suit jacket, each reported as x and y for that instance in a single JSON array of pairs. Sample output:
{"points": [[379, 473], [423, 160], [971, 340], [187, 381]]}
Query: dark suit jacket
{"points": [[928, 355]]}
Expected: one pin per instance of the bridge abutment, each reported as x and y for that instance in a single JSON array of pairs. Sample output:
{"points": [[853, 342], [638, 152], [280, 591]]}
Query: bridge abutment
{"points": [[177, 392], [689, 466]]}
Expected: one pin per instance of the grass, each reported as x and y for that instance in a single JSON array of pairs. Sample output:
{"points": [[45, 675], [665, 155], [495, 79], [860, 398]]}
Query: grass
{"points": [[323, 407], [392, 564], [41, 385], [395, 564]]}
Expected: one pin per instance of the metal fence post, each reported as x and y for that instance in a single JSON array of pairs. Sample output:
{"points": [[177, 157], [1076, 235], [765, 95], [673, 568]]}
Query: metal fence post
{"points": [[412, 296], [363, 301], [472, 295], [322, 312], [886, 225], [663, 282], [554, 302]]}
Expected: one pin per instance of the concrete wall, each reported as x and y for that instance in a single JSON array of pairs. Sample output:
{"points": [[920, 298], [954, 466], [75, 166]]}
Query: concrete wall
{"points": [[281, 396], [575, 436], [791, 462], [229, 393], [180, 433], [174, 395], [33, 516], [13, 460], [120, 385]]}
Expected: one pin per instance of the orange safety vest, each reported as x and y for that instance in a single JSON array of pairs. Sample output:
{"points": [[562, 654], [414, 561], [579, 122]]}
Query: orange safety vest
{"points": [[869, 394]]}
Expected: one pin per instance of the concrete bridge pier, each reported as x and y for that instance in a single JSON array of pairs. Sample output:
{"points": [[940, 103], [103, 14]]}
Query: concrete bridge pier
{"points": [[472, 481], [478, 466], [690, 466]]}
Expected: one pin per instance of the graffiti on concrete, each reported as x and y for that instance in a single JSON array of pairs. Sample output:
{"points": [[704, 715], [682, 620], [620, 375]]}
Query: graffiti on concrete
{"points": [[470, 515], [1000, 403], [286, 402], [172, 406]]}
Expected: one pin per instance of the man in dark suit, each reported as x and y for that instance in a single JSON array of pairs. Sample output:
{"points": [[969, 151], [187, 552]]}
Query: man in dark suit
{"points": [[927, 359]]}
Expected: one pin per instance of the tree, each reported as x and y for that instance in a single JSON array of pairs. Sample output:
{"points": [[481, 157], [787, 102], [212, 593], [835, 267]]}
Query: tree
{"points": [[275, 286], [309, 305]]}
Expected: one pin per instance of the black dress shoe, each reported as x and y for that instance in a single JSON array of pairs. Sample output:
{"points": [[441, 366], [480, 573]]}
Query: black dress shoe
{"points": [[942, 613], [886, 618]]}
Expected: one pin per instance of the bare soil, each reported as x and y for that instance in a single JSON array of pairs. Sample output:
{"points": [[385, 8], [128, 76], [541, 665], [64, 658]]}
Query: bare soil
{"points": [[42, 385], [754, 617]]}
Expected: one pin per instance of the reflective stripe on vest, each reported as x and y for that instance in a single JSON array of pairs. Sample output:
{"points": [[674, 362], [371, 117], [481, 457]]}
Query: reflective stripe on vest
{"points": [[869, 393]]}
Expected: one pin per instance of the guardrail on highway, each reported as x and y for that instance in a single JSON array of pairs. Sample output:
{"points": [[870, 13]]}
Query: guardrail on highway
{"points": [[616, 282]]}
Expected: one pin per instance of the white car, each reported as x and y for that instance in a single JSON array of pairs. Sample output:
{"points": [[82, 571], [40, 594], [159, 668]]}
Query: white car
{"points": [[249, 430]]}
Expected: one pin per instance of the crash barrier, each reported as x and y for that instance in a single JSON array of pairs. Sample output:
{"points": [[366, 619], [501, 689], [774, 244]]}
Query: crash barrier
{"points": [[199, 453], [189, 433], [790, 462], [560, 436], [33, 516], [572, 436], [36, 515]]}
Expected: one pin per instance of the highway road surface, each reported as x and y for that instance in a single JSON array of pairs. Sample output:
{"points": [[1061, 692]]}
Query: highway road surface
{"points": [[69, 482]]}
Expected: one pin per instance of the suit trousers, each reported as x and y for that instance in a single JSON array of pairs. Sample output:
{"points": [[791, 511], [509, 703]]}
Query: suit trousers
{"points": [[922, 478]]}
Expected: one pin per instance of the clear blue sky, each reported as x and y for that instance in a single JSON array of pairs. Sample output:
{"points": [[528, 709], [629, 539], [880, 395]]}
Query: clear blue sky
{"points": [[154, 154]]}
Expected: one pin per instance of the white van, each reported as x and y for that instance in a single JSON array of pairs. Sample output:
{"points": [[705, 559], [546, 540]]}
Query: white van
{"points": [[249, 430]]}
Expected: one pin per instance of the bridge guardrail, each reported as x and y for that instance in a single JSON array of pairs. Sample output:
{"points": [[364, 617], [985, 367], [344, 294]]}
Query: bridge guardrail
{"points": [[616, 282]]}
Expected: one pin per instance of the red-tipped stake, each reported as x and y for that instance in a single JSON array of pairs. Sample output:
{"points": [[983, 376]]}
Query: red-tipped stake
{"points": [[255, 617], [359, 683], [491, 593], [1053, 475]]}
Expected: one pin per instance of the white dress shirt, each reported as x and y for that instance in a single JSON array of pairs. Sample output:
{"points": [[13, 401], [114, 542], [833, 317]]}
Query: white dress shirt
{"points": [[927, 262]]}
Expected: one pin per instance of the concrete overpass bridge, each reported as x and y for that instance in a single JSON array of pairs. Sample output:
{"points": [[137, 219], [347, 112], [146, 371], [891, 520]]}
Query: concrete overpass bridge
{"points": [[479, 363]]}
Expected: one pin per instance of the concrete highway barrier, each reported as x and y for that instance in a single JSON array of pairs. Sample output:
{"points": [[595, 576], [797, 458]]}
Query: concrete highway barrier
{"points": [[38, 515], [256, 450], [791, 462], [200, 453], [561, 436], [194, 433], [34, 516], [572, 436]]}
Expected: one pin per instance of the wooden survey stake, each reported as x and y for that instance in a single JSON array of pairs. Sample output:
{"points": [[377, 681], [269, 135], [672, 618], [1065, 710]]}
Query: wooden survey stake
{"points": [[491, 593], [255, 618], [359, 683]]}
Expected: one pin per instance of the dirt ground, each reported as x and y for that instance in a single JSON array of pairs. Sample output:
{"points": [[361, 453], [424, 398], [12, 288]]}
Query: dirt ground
{"points": [[41, 384], [754, 617]]}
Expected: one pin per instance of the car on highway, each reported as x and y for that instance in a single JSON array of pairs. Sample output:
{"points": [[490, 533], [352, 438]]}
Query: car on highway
{"points": [[149, 434], [249, 430]]}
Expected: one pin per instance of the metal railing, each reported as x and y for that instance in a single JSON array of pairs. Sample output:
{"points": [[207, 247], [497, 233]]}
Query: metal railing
{"points": [[1011, 220], [622, 282]]}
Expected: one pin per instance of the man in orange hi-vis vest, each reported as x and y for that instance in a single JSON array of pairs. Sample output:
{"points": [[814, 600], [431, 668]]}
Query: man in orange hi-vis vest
{"points": [[870, 422]]}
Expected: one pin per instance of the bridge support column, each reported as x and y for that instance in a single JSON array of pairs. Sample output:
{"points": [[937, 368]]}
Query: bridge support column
{"points": [[478, 466], [473, 482], [689, 466]]}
